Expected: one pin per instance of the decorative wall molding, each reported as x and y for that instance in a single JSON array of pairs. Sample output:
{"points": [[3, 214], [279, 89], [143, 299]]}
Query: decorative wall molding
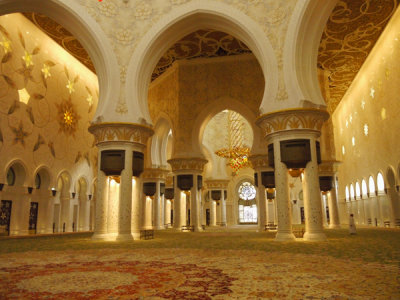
{"points": [[329, 167], [259, 161], [155, 174], [121, 132], [214, 184], [301, 118], [187, 164]]}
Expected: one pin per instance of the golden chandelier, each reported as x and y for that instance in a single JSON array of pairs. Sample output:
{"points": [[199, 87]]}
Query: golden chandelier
{"points": [[237, 153]]}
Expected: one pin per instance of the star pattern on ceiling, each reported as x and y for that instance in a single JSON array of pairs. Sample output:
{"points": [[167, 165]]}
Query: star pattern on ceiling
{"points": [[351, 32]]}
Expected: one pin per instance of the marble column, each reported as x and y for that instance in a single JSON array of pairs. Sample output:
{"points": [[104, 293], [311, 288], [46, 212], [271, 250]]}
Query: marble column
{"points": [[100, 224], [195, 206], [284, 214], [293, 124], [360, 210], [49, 214], [179, 208], [333, 209], [186, 166], [223, 208], [312, 200], [135, 220], [213, 213], [117, 199], [157, 208]]}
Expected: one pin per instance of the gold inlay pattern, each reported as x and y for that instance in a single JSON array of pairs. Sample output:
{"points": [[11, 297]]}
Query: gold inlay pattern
{"points": [[352, 30]]}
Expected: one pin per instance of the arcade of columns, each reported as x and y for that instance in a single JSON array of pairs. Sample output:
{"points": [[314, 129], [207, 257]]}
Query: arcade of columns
{"points": [[124, 208]]}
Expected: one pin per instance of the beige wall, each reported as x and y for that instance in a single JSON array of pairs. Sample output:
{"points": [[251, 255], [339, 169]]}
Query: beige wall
{"points": [[371, 103]]}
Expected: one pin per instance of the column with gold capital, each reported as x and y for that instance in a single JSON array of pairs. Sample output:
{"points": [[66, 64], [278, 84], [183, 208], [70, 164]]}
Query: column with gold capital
{"points": [[293, 145], [157, 176], [260, 165], [188, 177], [121, 161]]}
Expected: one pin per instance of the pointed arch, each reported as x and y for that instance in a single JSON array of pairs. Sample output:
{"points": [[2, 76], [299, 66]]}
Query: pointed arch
{"points": [[219, 105], [197, 14], [301, 50]]}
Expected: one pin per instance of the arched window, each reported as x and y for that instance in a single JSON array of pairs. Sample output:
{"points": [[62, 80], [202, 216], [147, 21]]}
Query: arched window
{"points": [[371, 185], [10, 176], [364, 187], [247, 203], [347, 194], [358, 190], [351, 192], [380, 182], [247, 191]]}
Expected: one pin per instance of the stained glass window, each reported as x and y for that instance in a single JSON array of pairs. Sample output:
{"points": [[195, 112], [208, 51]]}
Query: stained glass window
{"points": [[248, 213], [247, 191]]}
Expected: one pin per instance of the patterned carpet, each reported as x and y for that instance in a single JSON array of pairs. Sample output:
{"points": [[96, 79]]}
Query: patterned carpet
{"points": [[206, 273]]}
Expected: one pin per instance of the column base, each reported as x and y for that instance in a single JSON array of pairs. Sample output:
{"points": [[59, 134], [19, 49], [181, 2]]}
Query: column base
{"points": [[198, 229], [159, 227], [19, 232], [284, 237], [104, 236], [334, 226], [314, 236], [125, 237]]}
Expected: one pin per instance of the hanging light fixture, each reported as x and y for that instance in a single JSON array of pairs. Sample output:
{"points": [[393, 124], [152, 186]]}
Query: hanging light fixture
{"points": [[236, 153]]}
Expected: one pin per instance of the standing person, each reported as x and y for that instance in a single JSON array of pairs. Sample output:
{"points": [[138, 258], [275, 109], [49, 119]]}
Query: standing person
{"points": [[352, 225]]}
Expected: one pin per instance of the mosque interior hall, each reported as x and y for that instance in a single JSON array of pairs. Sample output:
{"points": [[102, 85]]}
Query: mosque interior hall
{"points": [[199, 149]]}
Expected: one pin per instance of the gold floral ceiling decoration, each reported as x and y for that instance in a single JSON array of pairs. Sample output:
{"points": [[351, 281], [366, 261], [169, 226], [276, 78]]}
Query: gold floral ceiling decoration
{"points": [[62, 36], [352, 30], [201, 43]]}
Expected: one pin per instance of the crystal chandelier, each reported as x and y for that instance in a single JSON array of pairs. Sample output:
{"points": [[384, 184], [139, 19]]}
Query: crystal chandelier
{"points": [[237, 153]]}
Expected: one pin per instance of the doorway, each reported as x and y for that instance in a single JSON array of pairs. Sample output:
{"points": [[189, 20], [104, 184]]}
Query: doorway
{"points": [[5, 217]]}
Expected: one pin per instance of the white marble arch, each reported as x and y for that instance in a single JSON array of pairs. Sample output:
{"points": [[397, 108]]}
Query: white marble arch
{"points": [[182, 20], [214, 108], [75, 19], [46, 177], [21, 171], [159, 141], [301, 50]]}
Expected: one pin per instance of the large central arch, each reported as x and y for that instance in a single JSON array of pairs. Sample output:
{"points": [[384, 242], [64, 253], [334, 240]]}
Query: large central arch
{"points": [[76, 20], [195, 15]]}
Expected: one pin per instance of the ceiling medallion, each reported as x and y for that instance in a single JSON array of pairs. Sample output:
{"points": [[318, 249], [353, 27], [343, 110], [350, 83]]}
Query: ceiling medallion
{"points": [[67, 117]]}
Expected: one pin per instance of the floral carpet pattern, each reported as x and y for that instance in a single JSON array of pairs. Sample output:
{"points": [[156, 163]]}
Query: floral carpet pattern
{"points": [[208, 265], [191, 274]]}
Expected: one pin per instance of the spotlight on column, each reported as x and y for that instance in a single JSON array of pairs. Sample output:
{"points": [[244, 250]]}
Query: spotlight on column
{"points": [[1, 186], [30, 189], [53, 192], [90, 197], [73, 195]]}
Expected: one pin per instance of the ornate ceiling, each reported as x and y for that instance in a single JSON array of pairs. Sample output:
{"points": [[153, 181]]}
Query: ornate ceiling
{"points": [[350, 34], [62, 36], [202, 43]]}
